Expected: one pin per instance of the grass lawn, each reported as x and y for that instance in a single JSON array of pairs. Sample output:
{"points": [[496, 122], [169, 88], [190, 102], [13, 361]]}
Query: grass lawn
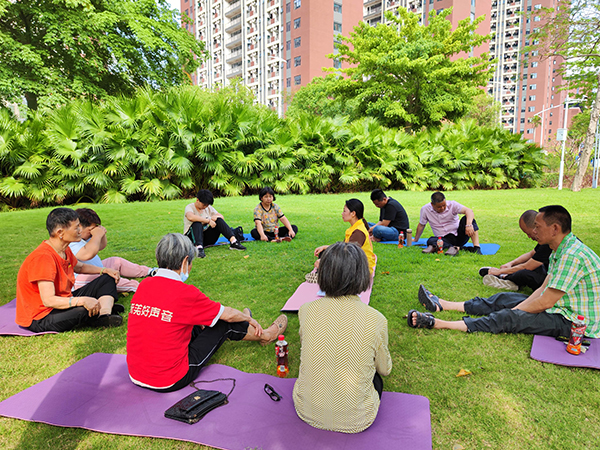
{"points": [[509, 402]]}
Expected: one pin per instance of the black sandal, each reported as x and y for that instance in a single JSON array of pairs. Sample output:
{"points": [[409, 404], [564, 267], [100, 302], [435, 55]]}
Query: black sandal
{"points": [[428, 300], [424, 320]]}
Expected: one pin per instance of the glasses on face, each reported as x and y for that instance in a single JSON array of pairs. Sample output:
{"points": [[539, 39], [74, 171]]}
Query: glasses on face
{"points": [[271, 393]]}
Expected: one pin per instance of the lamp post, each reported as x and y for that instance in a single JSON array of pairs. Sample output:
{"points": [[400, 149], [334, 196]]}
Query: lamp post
{"points": [[562, 153]]}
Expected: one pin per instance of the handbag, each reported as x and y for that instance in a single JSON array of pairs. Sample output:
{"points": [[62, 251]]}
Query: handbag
{"points": [[195, 406]]}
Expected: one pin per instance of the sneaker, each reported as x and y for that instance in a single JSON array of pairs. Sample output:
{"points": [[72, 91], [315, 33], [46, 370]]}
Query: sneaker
{"points": [[429, 249], [237, 246], [107, 321], [117, 309], [452, 251], [201, 253], [153, 271], [484, 271], [499, 283]]}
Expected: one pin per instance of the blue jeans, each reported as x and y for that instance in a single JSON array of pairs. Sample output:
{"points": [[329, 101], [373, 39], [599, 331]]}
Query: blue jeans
{"points": [[385, 233], [499, 317]]}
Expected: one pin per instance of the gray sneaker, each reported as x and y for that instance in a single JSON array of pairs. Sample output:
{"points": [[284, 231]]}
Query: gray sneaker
{"points": [[499, 283]]}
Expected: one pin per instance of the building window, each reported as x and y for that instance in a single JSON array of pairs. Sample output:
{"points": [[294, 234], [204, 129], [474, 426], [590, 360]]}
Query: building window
{"points": [[533, 75], [297, 4], [288, 82], [297, 61], [297, 80], [287, 26], [529, 130], [337, 7], [550, 123], [288, 64], [288, 9], [531, 109], [536, 19], [337, 26], [534, 64], [531, 98], [533, 87], [297, 42], [538, 6], [523, 120], [297, 23], [550, 131], [337, 64]]}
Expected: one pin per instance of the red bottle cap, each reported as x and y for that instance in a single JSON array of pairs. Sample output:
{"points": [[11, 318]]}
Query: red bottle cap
{"points": [[281, 338], [580, 318]]}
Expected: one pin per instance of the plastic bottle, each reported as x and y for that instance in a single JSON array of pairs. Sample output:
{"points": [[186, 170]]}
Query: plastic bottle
{"points": [[281, 353], [440, 245], [408, 237], [277, 234], [401, 240], [577, 331]]}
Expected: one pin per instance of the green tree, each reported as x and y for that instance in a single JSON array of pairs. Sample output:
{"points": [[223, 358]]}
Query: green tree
{"points": [[316, 98], [409, 75], [485, 110], [572, 30], [55, 50]]}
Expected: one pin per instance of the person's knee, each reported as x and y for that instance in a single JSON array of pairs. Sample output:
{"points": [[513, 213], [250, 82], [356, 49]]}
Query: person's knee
{"points": [[505, 321]]}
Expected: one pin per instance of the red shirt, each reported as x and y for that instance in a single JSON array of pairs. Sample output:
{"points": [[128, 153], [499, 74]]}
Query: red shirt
{"points": [[42, 264], [159, 329]]}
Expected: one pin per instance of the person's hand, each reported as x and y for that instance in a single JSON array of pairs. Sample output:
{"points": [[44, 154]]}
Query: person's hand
{"points": [[319, 250], [371, 230], [113, 273], [469, 231], [258, 331], [212, 223], [508, 265], [494, 271], [264, 238], [291, 234], [98, 231], [91, 304]]}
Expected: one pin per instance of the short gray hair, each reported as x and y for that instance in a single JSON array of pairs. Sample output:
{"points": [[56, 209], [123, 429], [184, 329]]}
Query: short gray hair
{"points": [[172, 250], [528, 218], [343, 270]]}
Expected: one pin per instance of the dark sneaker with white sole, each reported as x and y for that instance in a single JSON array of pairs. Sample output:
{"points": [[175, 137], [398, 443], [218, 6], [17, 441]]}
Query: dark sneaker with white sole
{"points": [[237, 246]]}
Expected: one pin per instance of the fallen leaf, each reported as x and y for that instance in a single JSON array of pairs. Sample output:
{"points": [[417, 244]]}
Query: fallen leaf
{"points": [[247, 256], [385, 273], [437, 259], [463, 373], [458, 447]]}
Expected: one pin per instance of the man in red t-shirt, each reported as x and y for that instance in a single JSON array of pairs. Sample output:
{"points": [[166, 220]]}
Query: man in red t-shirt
{"points": [[173, 328]]}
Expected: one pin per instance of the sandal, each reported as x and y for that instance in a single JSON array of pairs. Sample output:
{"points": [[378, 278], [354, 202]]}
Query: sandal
{"points": [[424, 320], [281, 323], [428, 300]]}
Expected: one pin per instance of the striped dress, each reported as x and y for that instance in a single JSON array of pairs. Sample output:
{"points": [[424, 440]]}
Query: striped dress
{"points": [[343, 342]]}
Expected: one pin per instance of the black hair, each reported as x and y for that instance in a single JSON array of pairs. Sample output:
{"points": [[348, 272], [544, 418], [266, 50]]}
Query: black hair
{"points": [[437, 197], [88, 217], [60, 217], [343, 270], [377, 194], [205, 196], [557, 214], [264, 191], [528, 218], [356, 206]]}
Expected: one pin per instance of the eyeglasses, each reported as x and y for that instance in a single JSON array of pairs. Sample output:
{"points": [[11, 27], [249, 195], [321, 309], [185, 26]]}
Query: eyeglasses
{"points": [[271, 393]]}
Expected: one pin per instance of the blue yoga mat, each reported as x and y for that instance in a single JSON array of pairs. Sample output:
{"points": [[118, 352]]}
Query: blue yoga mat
{"points": [[486, 249]]}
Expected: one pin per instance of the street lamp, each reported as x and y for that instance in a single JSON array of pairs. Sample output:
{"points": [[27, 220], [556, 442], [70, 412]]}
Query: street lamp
{"points": [[562, 153]]}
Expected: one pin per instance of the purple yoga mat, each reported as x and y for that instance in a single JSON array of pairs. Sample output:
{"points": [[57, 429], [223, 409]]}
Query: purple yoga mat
{"points": [[8, 327], [96, 394], [549, 350], [307, 292]]}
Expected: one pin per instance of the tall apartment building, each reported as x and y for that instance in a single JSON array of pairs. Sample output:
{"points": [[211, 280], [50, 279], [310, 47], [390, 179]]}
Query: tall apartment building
{"points": [[274, 46], [522, 84]]}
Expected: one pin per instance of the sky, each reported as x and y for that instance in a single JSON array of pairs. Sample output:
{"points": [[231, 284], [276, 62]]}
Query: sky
{"points": [[174, 4]]}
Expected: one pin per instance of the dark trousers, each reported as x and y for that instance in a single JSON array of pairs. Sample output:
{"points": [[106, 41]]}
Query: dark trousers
{"points": [[450, 240], [67, 319], [283, 232], [378, 383], [199, 236], [501, 318], [203, 344], [529, 278]]}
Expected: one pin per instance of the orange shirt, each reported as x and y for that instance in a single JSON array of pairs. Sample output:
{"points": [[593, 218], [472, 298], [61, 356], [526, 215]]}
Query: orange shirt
{"points": [[42, 264]]}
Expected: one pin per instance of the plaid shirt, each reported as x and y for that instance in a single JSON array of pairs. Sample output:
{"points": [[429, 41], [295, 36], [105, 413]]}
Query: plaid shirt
{"points": [[575, 270]]}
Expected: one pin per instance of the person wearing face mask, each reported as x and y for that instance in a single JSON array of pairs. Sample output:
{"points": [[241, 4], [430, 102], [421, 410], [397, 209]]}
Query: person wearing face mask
{"points": [[174, 329]]}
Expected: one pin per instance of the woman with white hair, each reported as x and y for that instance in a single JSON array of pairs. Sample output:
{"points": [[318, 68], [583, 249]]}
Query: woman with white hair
{"points": [[174, 329]]}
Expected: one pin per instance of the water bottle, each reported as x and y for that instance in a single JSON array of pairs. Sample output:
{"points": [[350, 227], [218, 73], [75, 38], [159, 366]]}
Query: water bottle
{"points": [[440, 245], [281, 353], [577, 331], [401, 240], [277, 234], [408, 237]]}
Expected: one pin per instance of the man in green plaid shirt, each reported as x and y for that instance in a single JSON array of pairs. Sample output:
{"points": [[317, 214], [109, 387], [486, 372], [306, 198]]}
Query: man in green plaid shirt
{"points": [[571, 288]]}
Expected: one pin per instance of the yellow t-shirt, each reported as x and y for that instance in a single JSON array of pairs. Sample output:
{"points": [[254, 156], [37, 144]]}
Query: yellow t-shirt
{"points": [[358, 234]]}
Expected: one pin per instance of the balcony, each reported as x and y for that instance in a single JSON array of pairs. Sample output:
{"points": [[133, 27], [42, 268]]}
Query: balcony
{"points": [[234, 8], [272, 3], [372, 12], [371, 2], [234, 57], [234, 40], [273, 74], [233, 25], [273, 21], [234, 72], [273, 38]]}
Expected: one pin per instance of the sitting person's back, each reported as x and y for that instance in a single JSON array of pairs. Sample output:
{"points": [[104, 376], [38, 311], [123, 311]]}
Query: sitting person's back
{"points": [[344, 347]]}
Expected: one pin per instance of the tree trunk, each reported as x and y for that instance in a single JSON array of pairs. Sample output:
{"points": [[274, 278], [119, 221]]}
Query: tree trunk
{"points": [[588, 144], [32, 101]]}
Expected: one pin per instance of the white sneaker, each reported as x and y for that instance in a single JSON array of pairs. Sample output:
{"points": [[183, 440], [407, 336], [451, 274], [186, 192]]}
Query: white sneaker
{"points": [[499, 283]]}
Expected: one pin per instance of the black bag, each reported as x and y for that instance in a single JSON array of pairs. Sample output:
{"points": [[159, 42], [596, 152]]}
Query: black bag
{"points": [[239, 234], [195, 406]]}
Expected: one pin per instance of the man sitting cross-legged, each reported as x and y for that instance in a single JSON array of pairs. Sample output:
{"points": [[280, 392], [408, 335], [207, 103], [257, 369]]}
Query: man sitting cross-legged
{"points": [[571, 288], [529, 269]]}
